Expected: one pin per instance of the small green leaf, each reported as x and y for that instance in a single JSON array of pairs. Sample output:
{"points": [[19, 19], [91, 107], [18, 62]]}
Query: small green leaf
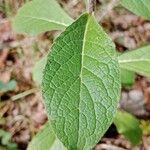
{"points": [[5, 138], [37, 72], [136, 60], [7, 86], [81, 84], [46, 140], [129, 126], [127, 78], [139, 7], [38, 16]]}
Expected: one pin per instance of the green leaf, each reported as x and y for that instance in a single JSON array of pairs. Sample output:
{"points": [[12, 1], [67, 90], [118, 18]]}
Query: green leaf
{"points": [[37, 72], [46, 140], [136, 60], [127, 78], [7, 86], [5, 138], [129, 126], [58, 145], [139, 7], [81, 84], [38, 16]]}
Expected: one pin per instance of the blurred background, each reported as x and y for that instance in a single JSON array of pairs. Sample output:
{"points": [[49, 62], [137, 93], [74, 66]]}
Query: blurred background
{"points": [[21, 109]]}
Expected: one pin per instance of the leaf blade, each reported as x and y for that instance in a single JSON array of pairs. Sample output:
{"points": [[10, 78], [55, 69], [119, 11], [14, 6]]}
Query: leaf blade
{"points": [[139, 7], [7, 86], [39, 65], [129, 126], [127, 78], [76, 68], [36, 17], [46, 140], [137, 60]]}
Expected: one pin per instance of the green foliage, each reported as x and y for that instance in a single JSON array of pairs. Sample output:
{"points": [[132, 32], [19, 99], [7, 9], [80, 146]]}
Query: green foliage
{"points": [[139, 7], [129, 126], [145, 126], [5, 138], [46, 140], [38, 16], [137, 60], [81, 84], [127, 78], [7, 86], [39, 65]]}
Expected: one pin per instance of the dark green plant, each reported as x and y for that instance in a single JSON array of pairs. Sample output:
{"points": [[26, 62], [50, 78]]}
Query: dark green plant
{"points": [[81, 80]]}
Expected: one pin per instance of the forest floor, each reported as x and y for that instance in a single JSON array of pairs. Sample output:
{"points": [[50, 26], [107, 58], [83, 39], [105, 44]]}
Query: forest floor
{"points": [[21, 108]]}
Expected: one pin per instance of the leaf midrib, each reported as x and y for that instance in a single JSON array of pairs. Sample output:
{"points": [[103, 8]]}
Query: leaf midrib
{"points": [[133, 60], [82, 62], [46, 20]]}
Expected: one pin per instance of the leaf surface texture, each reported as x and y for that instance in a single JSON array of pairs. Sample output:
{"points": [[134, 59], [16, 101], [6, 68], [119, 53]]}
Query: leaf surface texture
{"points": [[81, 84], [39, 16], [139, 7], [136, 60]]}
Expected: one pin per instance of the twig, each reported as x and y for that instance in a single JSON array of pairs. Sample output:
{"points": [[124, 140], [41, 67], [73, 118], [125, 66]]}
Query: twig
{"points": [[91, 6], [112, 147], [24, 94], [106, 9]]}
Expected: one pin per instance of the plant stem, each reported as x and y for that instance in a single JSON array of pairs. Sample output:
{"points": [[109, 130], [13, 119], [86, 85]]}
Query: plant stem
{"points": [[91, 6], [24, 94]]}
